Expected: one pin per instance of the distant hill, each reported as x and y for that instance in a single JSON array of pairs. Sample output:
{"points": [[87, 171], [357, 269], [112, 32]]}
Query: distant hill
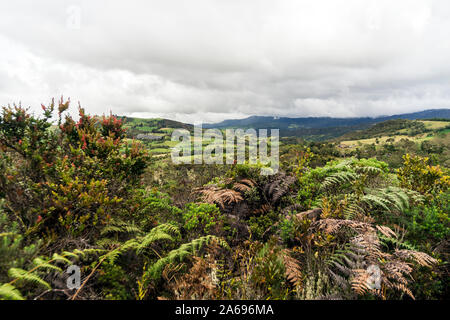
{"points": [[426, 114], [154, 133], [309, 128], [322, 128], [136, 126], [323, 122]]}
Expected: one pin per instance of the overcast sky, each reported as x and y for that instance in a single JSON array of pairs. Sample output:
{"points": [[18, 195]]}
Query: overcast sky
{"points": [[207, 60]]}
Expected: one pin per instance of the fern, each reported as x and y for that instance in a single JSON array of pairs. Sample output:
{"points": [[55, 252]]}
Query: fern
{"points": [[278, 187], [161, 232], [179, 254], [293, 270], [23, 275], [9, 292], [41, 263], [85, 252], [353, 210], [338, 179], [58, 257], [344, 261], [369, 170], [390, 199], [396, 242], [119, 226], [374, 201], [222, 197]]}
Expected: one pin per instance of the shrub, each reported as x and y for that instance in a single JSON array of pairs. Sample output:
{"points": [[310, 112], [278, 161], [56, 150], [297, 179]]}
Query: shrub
{"points": [[202, 218], [71, 179], [417, 175]]}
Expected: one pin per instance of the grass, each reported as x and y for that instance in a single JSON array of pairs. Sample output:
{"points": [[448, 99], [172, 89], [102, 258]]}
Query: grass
{"points": [[167, 130], [383, 140], [435, 124], [160, 150], [170, 144]]}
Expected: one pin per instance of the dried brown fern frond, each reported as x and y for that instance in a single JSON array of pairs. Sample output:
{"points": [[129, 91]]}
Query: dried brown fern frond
{"points": [[394, 268], [332, 226], [244, 185], [210, 194], [386, 231], [293, 269], [403, 288], [360, 282], [230, 196], [241, 187], [395, 273], [263, 209], [248, 182], [171, 270], [278, 187], [421, 258], [198, 283], [353, 265], [221, 197]]}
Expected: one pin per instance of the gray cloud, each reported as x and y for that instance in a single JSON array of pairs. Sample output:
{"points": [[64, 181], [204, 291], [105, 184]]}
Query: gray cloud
{"points": [[213, 59]]}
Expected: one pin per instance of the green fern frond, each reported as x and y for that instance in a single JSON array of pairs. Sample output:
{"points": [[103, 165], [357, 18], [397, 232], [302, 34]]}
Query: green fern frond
{"points": [[9, 292], [108, 243], [139, 244], [86, 252], [345, 164], [70, 254], [110, 229], [8, 234], [178, 255], [396, 242], [373, 200], [131, 228], [168, 228], [152, 237], [353, 210], [119, 226], [338, 179], [41, 263], [391, 199], [114, 254], [26, 276], [369, 170], [58, 257]]}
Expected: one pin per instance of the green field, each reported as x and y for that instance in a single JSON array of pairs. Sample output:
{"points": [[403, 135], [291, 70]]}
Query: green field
{"points": [[435, 124], [384, 139]]}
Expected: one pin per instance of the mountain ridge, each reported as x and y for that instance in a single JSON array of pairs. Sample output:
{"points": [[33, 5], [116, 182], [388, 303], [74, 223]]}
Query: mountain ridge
{"points": [[324, 122], [309, 128]]}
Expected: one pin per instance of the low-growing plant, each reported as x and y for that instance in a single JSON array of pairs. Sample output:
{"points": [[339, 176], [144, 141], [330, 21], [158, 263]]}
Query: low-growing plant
{"points": [[202, 218]]}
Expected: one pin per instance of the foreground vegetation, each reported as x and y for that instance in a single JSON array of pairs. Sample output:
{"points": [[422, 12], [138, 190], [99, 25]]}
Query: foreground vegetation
{"points": [[140, 227]]}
